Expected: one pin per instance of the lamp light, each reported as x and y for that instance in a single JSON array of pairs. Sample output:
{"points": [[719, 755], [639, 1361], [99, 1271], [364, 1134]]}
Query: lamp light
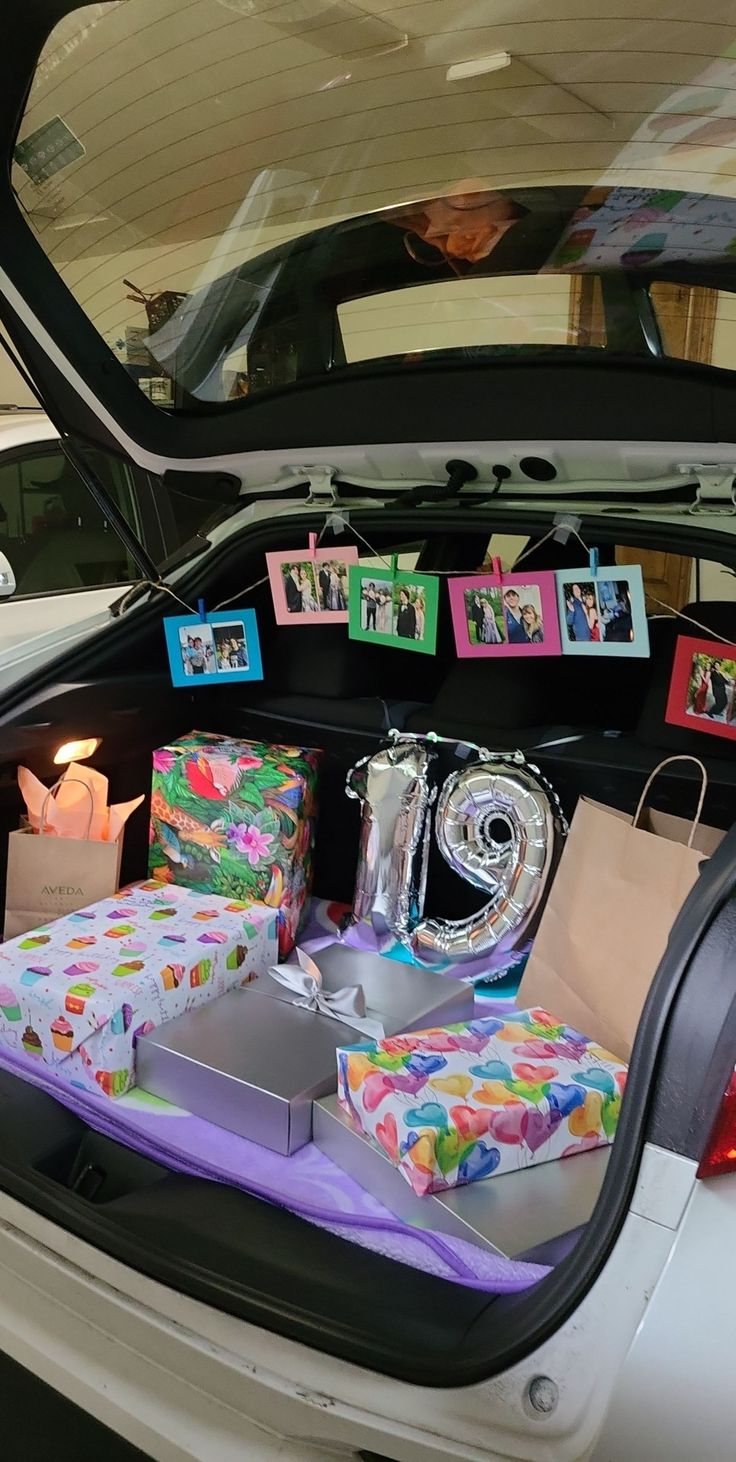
{"points": [[80, 750], [495, 61]]}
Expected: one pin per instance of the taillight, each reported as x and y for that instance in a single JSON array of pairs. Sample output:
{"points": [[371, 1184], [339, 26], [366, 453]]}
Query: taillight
{"points": [[720, 1151]]}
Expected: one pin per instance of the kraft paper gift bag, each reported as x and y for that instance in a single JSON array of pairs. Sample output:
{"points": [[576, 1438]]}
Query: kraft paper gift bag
{"points": [[620, 883], [49, 877], [67, 854]]}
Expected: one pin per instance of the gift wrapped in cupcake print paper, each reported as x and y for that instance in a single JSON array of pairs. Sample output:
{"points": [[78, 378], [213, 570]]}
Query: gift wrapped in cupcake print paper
{"points": [[236, 818], [78, 1001], [489, 1096]]}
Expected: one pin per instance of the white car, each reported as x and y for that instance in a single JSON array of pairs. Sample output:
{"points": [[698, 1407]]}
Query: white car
{"points": [[68, 563], [422, 280]]}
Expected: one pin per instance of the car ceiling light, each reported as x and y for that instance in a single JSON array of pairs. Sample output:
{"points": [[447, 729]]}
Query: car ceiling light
{"points": [[496, 61], [76, 750], [336, 81]]}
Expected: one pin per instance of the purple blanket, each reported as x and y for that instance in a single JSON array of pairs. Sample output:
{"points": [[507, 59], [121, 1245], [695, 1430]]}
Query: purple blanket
{"points": [[307, 1183]]}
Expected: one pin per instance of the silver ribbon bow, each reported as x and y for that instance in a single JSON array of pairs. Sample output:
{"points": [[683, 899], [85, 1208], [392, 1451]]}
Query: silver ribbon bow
{"points": [[347, 1005]]}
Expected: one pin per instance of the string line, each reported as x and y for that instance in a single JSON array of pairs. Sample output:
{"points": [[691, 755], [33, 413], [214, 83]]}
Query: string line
{"points": [[435, 573], [223, 604], [678, 613], [152, 584], [711, 633]]}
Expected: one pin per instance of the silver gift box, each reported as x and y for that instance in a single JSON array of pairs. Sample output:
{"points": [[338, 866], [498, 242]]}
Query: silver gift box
{"points": [[401, 996], [252, 1061], [251, 1065], [511, 1215]]}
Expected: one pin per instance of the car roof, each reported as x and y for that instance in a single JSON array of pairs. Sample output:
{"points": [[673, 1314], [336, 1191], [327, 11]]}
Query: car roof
{"points": [[20, 426]]}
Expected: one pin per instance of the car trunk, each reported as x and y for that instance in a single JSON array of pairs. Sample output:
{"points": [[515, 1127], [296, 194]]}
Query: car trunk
{"points": [[262, 381], [262, 1262]]}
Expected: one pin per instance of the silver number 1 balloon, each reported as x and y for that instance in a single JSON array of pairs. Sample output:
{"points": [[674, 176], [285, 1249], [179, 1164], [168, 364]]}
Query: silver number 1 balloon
{"points": [[394, 789], [495, 826]]}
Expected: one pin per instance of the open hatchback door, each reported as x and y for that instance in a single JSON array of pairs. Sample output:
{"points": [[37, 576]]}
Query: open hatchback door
{"points": [[445, 287]]}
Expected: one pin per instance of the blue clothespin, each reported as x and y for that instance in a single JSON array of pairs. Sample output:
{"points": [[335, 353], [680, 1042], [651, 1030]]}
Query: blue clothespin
{"points": [[201, 611], [593, 562]]}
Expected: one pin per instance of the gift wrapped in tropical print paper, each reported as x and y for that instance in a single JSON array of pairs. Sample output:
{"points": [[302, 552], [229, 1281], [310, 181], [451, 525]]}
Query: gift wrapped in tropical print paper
{"points": [[76, 993], [236, 818], [488, 1096]]}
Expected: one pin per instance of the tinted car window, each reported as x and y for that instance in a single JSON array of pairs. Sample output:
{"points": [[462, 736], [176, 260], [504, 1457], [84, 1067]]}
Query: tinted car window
{"points": [[243, 195], [466, 315], [52, 530]]}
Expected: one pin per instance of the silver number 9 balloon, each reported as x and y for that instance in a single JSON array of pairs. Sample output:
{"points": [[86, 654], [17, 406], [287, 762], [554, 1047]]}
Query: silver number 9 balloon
{"points": [[394, 788], [495, 826]]}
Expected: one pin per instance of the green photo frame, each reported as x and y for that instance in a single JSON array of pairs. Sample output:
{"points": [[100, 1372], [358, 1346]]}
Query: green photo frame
{"points": [[393, 607]]}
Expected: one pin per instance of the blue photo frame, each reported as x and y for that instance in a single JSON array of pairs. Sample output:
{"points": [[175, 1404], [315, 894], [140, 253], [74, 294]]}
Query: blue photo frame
{"points": [[603, 611], [217, 648]]}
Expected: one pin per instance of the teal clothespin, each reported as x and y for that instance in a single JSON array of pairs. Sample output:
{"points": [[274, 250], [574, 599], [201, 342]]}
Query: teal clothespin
{"points": [[593, 562]]}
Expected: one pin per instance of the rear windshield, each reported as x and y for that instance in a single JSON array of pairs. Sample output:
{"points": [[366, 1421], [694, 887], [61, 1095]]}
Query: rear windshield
{"points": [[243, 195]]}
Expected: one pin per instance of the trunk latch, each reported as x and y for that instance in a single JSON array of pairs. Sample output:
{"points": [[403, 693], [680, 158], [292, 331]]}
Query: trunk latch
{"points": [[321, 486], [716, 491]]}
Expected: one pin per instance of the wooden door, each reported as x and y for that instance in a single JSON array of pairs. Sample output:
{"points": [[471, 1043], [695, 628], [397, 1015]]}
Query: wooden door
{"points": [[686, 315], [586, 323], [668, 577]]}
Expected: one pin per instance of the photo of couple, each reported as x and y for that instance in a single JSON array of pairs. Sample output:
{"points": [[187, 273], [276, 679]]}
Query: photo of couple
{"points": [[231, 647], [332, 585], [599, 612], [498, 616], [388, 608], [300, 588], [315, 588], [711, 692], [197, 650]]}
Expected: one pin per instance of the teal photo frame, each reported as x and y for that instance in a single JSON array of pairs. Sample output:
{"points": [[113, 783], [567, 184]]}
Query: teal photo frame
{"points": [[603, 610]]}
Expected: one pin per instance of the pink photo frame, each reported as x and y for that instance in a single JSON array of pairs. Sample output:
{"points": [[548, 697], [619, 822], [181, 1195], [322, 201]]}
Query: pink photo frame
{"points": [[310, 586], [502, 615]]}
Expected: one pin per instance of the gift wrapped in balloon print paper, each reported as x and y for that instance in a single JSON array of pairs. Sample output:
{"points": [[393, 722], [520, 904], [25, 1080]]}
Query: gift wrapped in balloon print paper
{"points": [[488, 1096], [236, 818]]}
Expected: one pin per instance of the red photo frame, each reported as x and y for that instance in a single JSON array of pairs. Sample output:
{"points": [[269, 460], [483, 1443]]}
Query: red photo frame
{"points": [[702, 694]]}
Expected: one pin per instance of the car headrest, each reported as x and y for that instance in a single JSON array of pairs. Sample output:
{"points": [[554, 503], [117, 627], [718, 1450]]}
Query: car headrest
{"points": [[717, 615], [502, 694]]}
